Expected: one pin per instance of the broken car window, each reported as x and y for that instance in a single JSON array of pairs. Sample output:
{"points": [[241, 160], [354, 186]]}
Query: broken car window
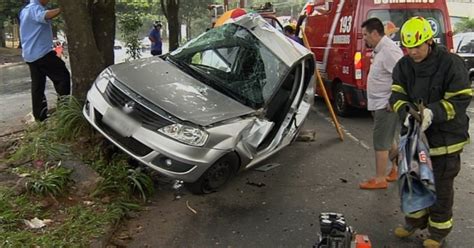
{"points": [[235, 62]]}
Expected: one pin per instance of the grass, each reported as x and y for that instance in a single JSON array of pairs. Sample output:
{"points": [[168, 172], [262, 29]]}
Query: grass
{"points": [[73, 227], [65, 135]]}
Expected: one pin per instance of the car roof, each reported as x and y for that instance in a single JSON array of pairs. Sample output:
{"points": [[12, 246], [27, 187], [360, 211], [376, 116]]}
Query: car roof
{"points": [[284, 48]]}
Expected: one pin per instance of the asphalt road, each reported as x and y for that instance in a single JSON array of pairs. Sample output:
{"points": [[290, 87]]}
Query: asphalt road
{"points": [[313, 177]]}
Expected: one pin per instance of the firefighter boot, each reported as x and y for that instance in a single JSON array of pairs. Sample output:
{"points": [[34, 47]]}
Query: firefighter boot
{"points": [[405, 231], [431, 243]]}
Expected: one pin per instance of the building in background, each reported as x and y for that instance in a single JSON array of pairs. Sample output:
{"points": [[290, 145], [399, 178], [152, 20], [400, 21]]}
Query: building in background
{"points": [[459, 9]]}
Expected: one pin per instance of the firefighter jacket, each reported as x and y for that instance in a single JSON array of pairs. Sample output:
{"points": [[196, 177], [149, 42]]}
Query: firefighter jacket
{"points": [[441, 83]]}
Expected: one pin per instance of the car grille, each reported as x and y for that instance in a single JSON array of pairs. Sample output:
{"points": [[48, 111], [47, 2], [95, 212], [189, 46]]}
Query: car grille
{"points": [[131, 144], [142, 114]]}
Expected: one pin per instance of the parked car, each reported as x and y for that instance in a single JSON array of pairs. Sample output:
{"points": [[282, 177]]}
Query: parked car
{"points": [[464, 47], [145, 44], [118, 45], [221, 103]]}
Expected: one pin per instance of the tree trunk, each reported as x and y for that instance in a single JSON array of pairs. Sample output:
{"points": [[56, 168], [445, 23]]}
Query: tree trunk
{"points": [[88, 40], [188, 29], [2, 36], [103, 23], [171, 9]]}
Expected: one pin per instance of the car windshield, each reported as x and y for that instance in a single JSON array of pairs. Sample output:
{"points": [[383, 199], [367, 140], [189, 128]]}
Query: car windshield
{"points": [[234, 62], [393, 20]]}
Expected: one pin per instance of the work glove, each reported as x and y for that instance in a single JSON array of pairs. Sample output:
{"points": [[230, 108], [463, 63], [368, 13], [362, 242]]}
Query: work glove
{"points": [[406, 123], [427, 119], [426, 122]]}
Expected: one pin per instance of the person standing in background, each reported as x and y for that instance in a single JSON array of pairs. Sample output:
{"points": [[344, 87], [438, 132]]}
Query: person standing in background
{"points": [[36, 37], [385, 55], [155, 38]]}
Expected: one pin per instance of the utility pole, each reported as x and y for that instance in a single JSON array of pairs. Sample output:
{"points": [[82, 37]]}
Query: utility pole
{"points": [[242, 3], [226, 5]]}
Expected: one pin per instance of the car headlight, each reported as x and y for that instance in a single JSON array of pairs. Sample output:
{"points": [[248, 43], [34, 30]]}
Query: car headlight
{"points": [[186, 134], [103, 80]]}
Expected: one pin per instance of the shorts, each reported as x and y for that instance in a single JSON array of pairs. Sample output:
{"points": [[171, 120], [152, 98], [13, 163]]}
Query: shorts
{"points": [[386, 129]]}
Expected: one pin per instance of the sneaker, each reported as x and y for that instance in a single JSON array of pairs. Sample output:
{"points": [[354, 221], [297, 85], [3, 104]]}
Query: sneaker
{"points": [[404, 231], [373, 184], [393, 175], [431, 243]]}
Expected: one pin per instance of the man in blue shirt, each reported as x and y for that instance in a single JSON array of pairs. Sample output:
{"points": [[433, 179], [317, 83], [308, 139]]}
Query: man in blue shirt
{"points": [[155, 38], [37, 42]]}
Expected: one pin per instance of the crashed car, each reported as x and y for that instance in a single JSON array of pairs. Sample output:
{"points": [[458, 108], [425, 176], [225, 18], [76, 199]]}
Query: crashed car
{"points": [[221, 103]]}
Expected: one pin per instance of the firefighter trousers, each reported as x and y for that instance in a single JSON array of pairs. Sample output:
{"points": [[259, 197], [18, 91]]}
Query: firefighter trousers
{"points": [[438, 218]]}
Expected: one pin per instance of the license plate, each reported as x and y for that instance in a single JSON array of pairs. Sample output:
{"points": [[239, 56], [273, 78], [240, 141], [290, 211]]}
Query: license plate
{"points": [[120, 122]]}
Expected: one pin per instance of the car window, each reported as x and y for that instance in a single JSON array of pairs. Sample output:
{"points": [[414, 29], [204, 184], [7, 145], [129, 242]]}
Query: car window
{"points": [[221, 59], [466, 45], [234, 62], [393, 20]]}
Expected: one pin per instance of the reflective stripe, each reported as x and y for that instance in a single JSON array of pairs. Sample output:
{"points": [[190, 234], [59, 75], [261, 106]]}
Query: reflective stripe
{"points": [[448, 95], [441, 225], [417, 215], [398, 104], [398, 88], [450, 113], [448, 149]]}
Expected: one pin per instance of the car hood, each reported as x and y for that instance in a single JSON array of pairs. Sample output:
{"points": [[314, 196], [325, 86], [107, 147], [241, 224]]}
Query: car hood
{"points": [[177, 93]]}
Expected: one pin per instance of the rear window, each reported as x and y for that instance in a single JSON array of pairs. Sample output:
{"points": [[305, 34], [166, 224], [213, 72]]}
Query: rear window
{"points": [[393, 20]]}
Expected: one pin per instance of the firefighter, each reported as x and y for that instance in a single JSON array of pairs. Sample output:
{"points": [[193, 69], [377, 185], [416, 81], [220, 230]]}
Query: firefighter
{"points": [[429, 73]]}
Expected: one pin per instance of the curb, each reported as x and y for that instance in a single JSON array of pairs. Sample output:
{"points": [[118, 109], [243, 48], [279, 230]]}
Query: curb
{"points": [[12, 64]]}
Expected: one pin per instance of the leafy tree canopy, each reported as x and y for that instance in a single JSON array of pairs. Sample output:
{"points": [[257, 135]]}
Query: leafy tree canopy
{"points": [[465, 25]]}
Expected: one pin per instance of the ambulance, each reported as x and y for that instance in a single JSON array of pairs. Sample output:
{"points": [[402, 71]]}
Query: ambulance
{"points": [[334, 34]]}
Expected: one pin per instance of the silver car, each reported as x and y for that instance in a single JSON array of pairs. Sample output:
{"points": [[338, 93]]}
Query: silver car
{"points": [[221, 103]]}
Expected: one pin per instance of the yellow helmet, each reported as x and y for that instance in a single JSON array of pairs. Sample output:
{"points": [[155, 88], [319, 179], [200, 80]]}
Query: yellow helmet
{"points": [[415, 32]]}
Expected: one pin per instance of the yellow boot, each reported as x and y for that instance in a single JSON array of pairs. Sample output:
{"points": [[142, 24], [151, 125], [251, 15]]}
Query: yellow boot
{"points": [[404, 231], [431, 243]]}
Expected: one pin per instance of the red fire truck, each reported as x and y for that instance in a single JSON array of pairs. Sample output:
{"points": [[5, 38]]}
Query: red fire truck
{"points": [[334, 33]]}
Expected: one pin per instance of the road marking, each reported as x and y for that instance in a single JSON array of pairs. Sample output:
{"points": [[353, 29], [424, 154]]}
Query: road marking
{"points": [[355, 139], [470, 110]]}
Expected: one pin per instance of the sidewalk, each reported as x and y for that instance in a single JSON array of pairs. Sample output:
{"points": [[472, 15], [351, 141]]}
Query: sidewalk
{"points": [[10, 56]]}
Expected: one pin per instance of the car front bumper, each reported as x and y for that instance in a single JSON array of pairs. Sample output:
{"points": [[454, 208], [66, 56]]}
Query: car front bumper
{"points": [[165, 155]]}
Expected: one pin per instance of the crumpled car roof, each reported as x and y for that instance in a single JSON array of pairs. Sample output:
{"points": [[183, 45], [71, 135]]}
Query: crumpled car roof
{"points": [[283, 47]]}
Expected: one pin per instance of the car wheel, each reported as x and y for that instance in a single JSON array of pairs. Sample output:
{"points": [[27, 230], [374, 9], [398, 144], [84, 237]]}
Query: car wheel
{"points": [[216, 176], [340, 101]]}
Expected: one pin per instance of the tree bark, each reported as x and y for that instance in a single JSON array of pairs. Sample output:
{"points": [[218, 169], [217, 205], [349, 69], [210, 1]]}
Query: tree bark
{"points": [[171, 9], [90, 42], [103, 23], [2, 36]]}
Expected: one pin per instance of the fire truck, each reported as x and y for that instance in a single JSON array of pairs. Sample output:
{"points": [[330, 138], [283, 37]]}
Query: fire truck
{"points": [[334, 33]]}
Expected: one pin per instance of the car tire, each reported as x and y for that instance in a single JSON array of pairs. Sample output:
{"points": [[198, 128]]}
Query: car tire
{"points": [[341, 105], [216, 176]]}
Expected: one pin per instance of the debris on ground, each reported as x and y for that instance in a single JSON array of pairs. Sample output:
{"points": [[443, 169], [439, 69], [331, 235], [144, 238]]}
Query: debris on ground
{"points": [[178, 189], [36, 223], [267, 167], [190, 208], [256, 184], [306, 136]]}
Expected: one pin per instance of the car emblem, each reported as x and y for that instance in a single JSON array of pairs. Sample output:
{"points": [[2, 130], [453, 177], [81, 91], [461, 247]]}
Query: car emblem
{"points": [[129, 106]]}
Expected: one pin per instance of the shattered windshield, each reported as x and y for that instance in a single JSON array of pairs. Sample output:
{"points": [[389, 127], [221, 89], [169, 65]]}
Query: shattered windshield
{"points": [[233, 61]]}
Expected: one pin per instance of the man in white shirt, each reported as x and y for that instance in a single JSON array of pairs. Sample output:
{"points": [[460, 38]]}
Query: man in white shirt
{"points": [[385, 55]]}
